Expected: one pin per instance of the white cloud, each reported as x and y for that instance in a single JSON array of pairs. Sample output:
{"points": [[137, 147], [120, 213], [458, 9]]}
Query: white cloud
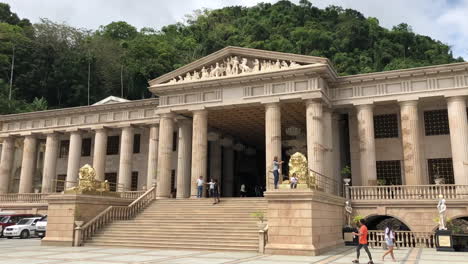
{"points": [[445, 20]]}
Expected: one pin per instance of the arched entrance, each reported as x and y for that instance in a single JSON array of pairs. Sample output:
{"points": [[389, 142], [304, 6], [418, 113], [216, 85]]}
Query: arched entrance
{"points": [[380, 222]]}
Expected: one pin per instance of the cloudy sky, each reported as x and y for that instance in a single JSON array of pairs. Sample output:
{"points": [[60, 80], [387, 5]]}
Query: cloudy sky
{"points": [[445, 20]]}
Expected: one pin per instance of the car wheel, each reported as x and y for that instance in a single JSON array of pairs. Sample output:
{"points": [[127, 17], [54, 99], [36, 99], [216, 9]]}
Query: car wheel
{"points": [[24, 234]]}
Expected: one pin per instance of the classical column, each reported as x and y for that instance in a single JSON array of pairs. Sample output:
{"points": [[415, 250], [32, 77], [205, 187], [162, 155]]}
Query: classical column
{"points": [[315, 142], [125, 159], [28, 165], [336, 153], [74, 155], [6, 163], [458, 137], [100, 151], [272, 140], [327, 137], [215, 160], [165, 152], [152, 155], [365, 120], [50, 163], [410, 132], [183, 158], [199, 149], [228, 172]]}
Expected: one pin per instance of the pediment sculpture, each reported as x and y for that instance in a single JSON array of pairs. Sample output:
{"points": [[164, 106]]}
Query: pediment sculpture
{"points": [[233, 66]]}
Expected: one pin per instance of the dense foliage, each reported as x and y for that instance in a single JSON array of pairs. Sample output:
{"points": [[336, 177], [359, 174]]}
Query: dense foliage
{"points": [[55, 62]]}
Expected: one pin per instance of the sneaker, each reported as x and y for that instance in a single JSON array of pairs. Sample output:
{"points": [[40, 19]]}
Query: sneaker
{"points": [[370, 262], [355, 261]]}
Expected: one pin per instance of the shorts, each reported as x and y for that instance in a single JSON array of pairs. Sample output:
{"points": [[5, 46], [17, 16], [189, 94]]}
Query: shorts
{"points": [[389, 242]]}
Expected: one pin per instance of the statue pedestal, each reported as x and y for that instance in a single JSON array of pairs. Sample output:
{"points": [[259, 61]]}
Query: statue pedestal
{"points": [[301, 186], [444, 241], [303, 222], [65, 209]]}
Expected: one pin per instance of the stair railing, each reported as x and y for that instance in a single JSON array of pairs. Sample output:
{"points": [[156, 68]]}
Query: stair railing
{"points": [[112, 213]]}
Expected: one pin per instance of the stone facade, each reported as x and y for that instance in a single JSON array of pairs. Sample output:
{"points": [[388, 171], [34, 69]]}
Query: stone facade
{"points": [[250, 97]]}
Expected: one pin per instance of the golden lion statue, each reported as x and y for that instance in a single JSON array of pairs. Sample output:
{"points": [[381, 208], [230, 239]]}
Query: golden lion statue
{"points": [[298, 166], [87, 182]]}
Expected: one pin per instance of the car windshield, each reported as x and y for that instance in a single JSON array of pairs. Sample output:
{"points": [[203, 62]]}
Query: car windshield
{"points": [[25, 222], [4, 219]]}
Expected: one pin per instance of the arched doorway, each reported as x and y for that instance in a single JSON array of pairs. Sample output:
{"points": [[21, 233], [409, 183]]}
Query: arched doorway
{"points": [[380, 222]]}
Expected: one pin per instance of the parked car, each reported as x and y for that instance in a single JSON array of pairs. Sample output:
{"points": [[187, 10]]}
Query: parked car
{"points": [[25, 228], [41, 227], [11, 219]]}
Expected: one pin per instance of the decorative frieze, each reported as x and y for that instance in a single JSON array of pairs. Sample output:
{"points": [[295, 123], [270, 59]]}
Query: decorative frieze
{"points": [[397, 87], [191, 98], [285, 87]]}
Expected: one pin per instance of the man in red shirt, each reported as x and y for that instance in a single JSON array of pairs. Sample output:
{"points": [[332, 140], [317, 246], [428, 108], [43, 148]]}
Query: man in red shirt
{"points": [[362, 241]]}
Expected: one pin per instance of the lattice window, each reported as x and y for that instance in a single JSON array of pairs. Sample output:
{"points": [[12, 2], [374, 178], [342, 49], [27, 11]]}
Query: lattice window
{"points": [[441, 168], [134, 186], [389, 172], [86, 147], [64, 147], [111, 177], [60, 184], [136, 143], [113, 145], [436, 122], [386, 126]]}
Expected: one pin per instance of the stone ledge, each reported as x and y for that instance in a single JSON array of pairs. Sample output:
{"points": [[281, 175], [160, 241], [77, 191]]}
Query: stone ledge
{"points": [[306, 195]]}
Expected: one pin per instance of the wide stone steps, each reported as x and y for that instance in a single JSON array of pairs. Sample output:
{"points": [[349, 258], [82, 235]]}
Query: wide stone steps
{"points": [[194, 224]]}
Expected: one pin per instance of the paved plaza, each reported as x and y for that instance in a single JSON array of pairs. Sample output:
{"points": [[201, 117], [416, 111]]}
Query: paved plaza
{"points": [[18, 251]]}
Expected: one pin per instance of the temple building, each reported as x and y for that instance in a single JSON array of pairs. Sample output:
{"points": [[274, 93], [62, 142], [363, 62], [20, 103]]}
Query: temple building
{"points": [[227, 115]]}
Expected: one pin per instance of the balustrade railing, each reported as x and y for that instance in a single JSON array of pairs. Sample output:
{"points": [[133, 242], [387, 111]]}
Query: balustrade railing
{"points": [[23, 198], [318, 181], [131, 195], [376, 238], [112, 213], [408, 192]]}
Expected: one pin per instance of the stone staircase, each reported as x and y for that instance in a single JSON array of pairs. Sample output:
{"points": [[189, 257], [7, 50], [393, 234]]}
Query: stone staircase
{"points": [[194, 224]]}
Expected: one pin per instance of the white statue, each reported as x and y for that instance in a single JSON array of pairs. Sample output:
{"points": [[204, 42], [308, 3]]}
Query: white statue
{"points": [[228, 67], [188, 77], [277, 65], [243, 66], [218, 70], [211, 71], [173, 81], [196, 75], [442, 213], [235, 65], [181, 79], [293, 64], [349, 212], [284, 65], [256, 66], [204, 73]]}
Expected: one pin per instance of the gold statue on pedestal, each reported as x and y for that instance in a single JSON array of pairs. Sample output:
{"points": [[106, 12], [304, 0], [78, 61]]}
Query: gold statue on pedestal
{"points": [[297, 168], [88, 184]]}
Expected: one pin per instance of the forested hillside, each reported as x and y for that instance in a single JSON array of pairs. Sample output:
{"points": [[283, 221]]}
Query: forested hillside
{"points": [[53, 63]]}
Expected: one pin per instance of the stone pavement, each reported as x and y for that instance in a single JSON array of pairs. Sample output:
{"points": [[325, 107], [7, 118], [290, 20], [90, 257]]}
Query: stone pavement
{"points": [[29, 251]]}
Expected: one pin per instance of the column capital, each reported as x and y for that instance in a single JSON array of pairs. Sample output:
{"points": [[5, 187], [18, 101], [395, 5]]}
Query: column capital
{"points": [[200, 112], [458, 98], [408, 103], [364, 106], [313, 101], [168, 115]]}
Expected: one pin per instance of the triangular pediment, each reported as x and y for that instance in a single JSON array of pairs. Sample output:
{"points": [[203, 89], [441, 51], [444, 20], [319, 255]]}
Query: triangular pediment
{"points": [[111, 100], [232, 62]]}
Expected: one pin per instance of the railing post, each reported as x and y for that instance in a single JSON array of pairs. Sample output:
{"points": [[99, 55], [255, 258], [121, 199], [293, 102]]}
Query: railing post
{"points": [[78, 234]]}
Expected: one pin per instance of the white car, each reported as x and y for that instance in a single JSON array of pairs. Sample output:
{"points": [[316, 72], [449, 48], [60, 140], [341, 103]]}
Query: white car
{"points": [[25, 228], [41, 226]]}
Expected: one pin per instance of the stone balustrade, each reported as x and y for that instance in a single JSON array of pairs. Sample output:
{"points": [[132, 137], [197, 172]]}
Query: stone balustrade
{"points": [[23, 198], [376, 238], [408, 192]]}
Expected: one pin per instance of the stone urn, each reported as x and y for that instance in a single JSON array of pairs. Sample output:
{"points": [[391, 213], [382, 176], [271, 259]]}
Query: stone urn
{"points": [[347, 181], [79, 223]]}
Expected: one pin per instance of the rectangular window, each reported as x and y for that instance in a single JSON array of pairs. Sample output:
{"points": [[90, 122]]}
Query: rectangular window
{"points": [[111, 177], [174, 141], [440, 168], [60, 184], [136, 143], [64, 146], [389, 172], [386, 126], [113, 145], [134, 186], [173, 183], [86, 147], [436, 122]]}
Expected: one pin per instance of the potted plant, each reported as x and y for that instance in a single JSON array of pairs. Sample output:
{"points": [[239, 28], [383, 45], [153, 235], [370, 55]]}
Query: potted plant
{"points": [[346, 174], [260, 215], [348, 237]]}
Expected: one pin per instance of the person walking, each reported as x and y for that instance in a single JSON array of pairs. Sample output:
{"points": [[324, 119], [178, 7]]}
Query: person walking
{"points": [[390, 241], [243, 192], [276, 170], [362, 234], [216, 192], [211, 188], [200, 183]]}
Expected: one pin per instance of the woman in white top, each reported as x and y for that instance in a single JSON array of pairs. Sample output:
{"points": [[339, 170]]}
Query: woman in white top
{"points": [[390, 241]]}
